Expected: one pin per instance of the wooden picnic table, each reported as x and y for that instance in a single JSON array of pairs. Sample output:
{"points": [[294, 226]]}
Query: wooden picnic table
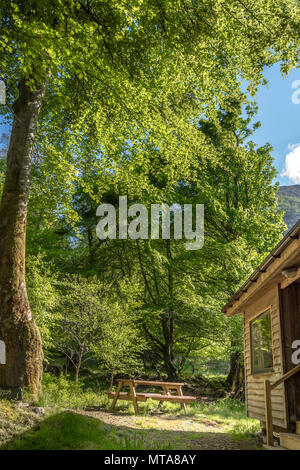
{"points": [[133, 396]]}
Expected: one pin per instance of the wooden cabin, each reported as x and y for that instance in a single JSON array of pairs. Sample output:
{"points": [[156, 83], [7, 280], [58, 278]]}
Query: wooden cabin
{"points": [[270, 304]]}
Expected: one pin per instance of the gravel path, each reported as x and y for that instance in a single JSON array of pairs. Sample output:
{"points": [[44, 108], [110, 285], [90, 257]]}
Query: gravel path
{"points": [[190, 432]]}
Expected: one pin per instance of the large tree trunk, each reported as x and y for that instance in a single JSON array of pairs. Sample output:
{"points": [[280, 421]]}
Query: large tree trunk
{"points": [[169, 366], [167, 322], [235, 380], [18, 330]]}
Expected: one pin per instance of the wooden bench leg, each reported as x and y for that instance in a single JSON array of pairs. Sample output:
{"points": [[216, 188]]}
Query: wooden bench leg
{"points": [[182, 404], [112, 408], [166, 392], [133, 395]]}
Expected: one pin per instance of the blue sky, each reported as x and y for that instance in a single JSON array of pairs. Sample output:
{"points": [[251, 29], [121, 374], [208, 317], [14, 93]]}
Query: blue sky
{"points": [[280, 122]]}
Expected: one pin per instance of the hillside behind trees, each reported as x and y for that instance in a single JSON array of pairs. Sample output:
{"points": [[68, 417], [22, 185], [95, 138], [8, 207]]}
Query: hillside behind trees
{"points": [[289, 202]]}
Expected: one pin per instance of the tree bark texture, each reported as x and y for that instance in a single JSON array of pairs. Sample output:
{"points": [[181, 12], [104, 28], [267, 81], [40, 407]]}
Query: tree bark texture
{"points": [[18, 330]]}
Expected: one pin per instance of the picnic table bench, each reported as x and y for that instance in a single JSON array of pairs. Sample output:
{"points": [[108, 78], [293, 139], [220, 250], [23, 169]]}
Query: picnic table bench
{"points": [[133, 396]]}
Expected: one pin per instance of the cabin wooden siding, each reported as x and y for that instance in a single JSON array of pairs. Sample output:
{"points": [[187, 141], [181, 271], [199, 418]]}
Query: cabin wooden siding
{"points": [[255, 382]]}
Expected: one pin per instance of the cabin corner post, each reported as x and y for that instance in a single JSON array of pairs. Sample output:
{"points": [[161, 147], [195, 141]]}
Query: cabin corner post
{"points": [[268, 411]]}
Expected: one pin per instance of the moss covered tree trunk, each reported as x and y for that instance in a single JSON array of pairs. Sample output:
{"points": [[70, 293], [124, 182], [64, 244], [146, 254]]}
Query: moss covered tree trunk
{"points": [[18, 330]]}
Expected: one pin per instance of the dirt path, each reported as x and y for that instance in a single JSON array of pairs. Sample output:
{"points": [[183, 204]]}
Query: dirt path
{"points": [[181, 432]]}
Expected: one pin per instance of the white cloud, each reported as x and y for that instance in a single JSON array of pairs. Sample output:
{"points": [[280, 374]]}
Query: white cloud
{"points": [[292, 163]]}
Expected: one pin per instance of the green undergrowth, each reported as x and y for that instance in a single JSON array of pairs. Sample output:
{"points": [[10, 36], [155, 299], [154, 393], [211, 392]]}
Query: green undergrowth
{"points": [[15, 420]]}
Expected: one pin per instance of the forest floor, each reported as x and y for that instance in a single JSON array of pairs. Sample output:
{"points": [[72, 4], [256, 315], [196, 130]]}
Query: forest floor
{"points": [[78, 417], [177, 432], [217, 426]]}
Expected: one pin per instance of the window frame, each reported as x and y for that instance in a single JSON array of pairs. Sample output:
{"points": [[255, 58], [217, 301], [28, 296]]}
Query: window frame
{"points": [[265, 312]]}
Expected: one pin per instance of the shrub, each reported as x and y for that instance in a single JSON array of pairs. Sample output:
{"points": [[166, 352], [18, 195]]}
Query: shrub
{"points": [[61, 392]]}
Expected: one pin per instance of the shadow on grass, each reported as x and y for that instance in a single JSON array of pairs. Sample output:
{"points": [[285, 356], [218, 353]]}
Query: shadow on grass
{"points": [[68, 430]]}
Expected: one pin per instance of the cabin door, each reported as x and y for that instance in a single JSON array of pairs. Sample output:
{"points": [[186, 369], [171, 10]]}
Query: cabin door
{"points": [[290, 330]]}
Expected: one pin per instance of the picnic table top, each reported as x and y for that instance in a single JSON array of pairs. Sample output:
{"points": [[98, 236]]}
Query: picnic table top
{"points": [[152, 382]]}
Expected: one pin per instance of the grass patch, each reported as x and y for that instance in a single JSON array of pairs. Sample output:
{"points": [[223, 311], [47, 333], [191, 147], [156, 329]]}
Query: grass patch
{"points": [[231, 415], [69, 431]]}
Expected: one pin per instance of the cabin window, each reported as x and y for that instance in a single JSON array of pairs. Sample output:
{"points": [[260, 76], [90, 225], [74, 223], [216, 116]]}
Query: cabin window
{"points": [[261, 343]]}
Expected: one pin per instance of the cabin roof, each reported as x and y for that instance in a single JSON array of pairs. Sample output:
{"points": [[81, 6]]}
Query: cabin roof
{"points": [[290, 236]]}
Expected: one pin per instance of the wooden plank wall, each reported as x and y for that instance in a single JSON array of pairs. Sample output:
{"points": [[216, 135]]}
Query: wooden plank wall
{"points": [[255, 383], [290, 322]]}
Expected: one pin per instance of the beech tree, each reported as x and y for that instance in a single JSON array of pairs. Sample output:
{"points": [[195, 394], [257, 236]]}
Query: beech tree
{"points": [[87, 81], [183, 291]]}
